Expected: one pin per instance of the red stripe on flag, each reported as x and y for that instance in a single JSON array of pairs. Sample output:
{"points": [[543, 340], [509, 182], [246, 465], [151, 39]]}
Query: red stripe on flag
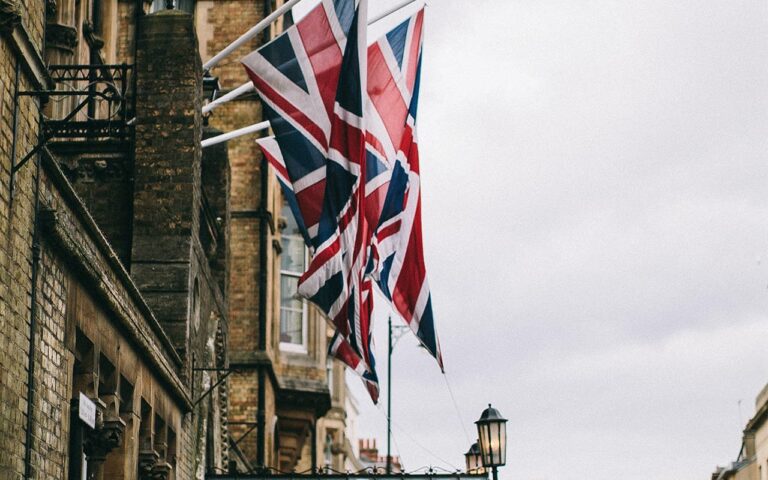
{"points": [[311, 202], [389, 230], [409, 282], [321, 258], [348, 140], [385, 95], [323, 52], [413, 55], [276, 164], [269, 93]]}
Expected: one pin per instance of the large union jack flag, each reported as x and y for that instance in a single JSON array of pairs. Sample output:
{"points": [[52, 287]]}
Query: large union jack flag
{"points": [[312, 82], [397, 258], [352, 184]]}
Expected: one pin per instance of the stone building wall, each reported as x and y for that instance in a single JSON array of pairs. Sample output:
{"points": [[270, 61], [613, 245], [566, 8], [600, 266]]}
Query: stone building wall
{"points": [[95, 332], [218, 23], [295, 391], [21, 31]]}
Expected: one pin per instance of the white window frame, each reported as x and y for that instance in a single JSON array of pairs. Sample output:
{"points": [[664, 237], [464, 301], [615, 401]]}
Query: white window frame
{"points": [[295, 347]]}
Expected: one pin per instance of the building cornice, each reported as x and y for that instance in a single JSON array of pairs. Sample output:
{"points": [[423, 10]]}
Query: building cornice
{"points": [[149, 342]]}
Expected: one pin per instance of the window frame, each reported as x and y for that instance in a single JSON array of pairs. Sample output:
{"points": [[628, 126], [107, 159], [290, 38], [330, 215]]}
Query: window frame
{"points": [[303, 347]]}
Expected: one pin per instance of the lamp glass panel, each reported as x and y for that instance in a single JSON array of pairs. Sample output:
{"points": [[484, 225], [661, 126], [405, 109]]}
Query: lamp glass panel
{"points": [[483, 433], [476, 465], [493, 442], [502, 431]]}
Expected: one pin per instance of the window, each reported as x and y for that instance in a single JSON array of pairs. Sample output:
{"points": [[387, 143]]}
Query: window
{"points": [[329, 373], [328, 453], [293, 309], [183, 5]]}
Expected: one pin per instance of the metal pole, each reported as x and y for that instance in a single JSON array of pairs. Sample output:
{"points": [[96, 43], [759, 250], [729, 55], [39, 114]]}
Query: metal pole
{"points": [[242, 89], [495, 474], [390, 11], [389, 396], [235, 133]]}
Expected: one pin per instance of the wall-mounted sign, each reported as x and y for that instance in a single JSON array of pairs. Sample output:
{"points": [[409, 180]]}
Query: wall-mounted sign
{"points": [[87, 411]]}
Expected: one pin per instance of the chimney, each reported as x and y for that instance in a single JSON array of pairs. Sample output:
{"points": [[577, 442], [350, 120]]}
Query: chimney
{"points": [[167, 169]]}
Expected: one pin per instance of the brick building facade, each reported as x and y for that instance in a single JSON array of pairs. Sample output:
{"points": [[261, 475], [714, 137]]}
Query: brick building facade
{"points": [[287, 390], [109, 285], [138, 269]]}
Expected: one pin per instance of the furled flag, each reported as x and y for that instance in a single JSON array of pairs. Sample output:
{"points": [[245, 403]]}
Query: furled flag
{"points": [[312, 83]]}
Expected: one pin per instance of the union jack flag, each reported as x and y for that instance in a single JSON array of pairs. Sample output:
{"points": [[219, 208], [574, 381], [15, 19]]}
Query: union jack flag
{"points": [[312, 82], [397, 258], [297, 76], [318, 157]]}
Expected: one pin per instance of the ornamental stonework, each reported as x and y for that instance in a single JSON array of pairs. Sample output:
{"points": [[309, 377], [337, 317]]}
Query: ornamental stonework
{"points": [[10, 15]]}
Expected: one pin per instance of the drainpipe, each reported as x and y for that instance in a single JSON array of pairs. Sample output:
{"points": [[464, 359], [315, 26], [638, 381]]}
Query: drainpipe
{"points": [[314, 448], [263, 225], [32, 351], [33, 313]]}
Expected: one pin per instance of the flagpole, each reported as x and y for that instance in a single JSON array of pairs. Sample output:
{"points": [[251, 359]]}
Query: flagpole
{"points": [[235, 133], [390, 11], [389, 397], [241, 90], [255, 30], [248, 86]]}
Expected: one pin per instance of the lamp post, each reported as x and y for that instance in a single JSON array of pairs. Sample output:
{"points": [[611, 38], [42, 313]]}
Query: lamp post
{"points": [[473, 460], [492, 439]]}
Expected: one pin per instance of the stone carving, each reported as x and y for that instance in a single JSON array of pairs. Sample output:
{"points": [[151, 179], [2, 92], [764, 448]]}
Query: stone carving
{"points": [[147, 461], [88, 169], [161, 471], [91, 37], [10, 15], [60, 36]]}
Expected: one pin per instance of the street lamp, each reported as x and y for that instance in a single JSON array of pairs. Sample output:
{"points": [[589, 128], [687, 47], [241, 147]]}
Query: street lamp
{"points": [[492, 434], [474, 463]]}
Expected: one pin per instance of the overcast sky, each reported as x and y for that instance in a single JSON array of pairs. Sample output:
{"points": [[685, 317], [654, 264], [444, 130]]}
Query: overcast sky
{"points": [[595, 191]]}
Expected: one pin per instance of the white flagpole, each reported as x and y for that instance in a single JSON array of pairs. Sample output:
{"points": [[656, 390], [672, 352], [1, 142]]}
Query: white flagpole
{"points": [[390, 11], [248, 86], [258, 28], [241, 90], [235, 133]]}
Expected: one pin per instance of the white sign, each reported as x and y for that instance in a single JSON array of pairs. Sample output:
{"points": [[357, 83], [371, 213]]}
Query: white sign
{"points": [[87, 411]]}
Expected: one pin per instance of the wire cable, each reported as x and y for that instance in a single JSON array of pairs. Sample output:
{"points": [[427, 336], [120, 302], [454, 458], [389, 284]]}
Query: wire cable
{"points": [[419, 444], [456, 407]]}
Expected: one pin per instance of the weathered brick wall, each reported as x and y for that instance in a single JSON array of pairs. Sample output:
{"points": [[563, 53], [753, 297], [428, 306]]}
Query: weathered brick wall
{"points": [[105, 183], [79, 277], [174, 260], [52, 372], [15, 246], [254, 220], [220, 22], [167, 167]]}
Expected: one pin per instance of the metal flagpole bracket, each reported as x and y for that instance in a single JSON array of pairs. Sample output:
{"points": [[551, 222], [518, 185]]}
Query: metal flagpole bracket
{"points": [[222, 379]]}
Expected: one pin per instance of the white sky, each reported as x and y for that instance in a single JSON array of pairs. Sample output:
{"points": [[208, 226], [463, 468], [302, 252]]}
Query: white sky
{"points": [[595, 193]]}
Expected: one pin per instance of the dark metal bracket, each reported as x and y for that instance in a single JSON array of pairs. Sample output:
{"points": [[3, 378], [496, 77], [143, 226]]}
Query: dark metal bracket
{"points": [[108, 83], [227, 372]]}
